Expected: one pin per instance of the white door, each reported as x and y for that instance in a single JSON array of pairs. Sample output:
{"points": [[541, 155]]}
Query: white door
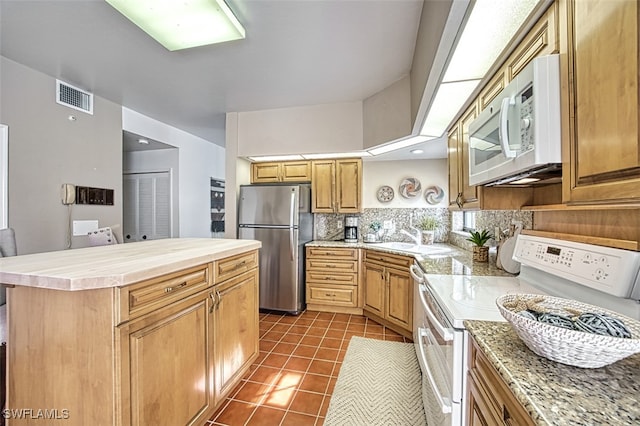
{"points": [[146, 206]]}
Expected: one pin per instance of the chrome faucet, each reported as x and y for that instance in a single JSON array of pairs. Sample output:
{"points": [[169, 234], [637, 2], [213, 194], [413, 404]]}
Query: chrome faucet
{"points": [[416, 238]]}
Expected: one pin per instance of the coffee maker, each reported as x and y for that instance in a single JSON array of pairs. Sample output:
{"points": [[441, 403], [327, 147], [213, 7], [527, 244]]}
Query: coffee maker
{"points": [[351, 229]]}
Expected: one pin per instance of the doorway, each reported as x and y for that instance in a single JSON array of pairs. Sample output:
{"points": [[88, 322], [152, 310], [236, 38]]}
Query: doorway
{"points": [[146, 203], [149, 189]]}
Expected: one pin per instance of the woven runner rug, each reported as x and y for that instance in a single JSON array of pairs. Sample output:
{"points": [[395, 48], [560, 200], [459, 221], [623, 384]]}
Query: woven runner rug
{"points": [[379, 384]]}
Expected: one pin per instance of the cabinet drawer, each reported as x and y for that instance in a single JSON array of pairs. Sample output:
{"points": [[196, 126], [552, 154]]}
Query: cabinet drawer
{"points": [[329, 278], [332, 253], [337, 296], [330, 265], [235, 265], [146, 296], [385, 259]]}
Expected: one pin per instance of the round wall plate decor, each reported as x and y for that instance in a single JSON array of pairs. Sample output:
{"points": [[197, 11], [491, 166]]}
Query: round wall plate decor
{"points": [[434, 194], [410, 187], [385, 194]]}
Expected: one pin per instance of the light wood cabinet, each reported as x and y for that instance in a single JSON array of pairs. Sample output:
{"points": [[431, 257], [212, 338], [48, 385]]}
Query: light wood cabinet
{"points": [[287, 171], [332, 279], [166, 375], [461, 194], [388, 290], [336, 186], [164, 350], [542, 39], [600, 102], [235, 330], [490, 402]]}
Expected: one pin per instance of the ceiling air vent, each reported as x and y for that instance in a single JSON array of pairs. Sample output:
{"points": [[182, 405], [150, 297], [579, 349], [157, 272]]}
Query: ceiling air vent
{"points": [[73, 97]]}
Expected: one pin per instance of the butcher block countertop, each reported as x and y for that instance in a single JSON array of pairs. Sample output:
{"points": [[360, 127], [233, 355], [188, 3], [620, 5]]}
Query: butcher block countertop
{"points": [[115, 265], [559, 394]]}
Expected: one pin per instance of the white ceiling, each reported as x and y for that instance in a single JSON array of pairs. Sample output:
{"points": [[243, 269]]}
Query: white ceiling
{"points": [[297, 52]]}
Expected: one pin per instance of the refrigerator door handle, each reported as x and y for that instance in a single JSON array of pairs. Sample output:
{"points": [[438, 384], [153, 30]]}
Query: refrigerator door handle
{"points": [[292, 216], [291, 243], [292, 210]]}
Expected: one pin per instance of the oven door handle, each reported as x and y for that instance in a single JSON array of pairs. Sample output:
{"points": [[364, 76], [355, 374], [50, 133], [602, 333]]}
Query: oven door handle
{"points": [[445, 332], [445, 403], [417, 274]]}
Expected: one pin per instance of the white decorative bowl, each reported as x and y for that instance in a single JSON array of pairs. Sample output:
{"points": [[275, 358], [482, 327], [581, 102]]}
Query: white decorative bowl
{"points": [[567, 346]]}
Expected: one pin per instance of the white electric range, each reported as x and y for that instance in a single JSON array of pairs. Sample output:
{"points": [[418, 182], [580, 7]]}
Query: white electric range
{"points": [[597, 275]]}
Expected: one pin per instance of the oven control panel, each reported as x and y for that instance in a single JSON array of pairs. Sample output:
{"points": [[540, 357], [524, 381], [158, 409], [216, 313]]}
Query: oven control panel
{"points": [[603, 268]]}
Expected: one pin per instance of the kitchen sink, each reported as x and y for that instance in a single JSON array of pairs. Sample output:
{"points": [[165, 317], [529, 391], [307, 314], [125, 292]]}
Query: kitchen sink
{"points": [[414, 248]]}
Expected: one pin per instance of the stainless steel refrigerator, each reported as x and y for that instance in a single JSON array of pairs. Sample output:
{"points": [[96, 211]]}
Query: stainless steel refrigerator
{"points": [[278, 215]]}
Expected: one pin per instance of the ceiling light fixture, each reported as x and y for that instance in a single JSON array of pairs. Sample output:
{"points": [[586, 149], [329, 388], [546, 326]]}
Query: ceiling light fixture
{"points": [[263, 158], [417, 151], [336, 155], [398, 145], [143, 141], [182, 24]]}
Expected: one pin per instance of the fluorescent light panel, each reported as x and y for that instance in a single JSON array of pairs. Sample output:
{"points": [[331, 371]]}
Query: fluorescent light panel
{"points": [[398, 145], [481, 43], [336, 155], [447, 103], [181, 24], [478, 48], [276, 158]]}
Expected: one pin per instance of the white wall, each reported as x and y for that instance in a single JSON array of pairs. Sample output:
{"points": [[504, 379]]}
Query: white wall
{"points": [[199, 160], [307, 129], [378, 173], [238, 172], [46, 149]]}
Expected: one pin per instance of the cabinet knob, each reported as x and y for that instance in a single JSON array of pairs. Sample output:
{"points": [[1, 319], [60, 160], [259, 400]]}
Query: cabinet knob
{"points": [[144, 237], [128, 237]]}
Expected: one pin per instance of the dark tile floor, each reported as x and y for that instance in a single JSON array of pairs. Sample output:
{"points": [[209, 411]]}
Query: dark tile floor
{"points": [[293, 377]]}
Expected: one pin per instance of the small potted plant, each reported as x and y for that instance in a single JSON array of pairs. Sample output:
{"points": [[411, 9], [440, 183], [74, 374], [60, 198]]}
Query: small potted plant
{"points": [[375, 229], [479, 239], [428, 225]]}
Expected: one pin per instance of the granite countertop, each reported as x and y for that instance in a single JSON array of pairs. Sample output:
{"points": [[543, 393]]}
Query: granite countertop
{"points": [[558, 394], [116, 265], [455, 262]]}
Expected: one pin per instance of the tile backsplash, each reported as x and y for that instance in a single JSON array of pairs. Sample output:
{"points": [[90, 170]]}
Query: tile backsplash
{"points": [[331, 226], [327, 226]]}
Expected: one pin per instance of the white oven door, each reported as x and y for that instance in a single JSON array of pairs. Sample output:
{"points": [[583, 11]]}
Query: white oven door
{"points": [[434, 340]]}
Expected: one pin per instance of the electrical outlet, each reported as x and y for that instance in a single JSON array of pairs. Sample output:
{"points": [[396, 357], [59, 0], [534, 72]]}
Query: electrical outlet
{"points": [[339, 224], [387, 224]]}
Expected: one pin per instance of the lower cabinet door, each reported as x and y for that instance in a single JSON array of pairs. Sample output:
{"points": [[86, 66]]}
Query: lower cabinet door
{"points": [[235, 330], [400, 298], [166, 374], [374, 288]]}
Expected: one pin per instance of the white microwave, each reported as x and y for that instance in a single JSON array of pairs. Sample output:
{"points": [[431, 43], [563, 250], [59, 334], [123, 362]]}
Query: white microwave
{"points": [[518, 135]]}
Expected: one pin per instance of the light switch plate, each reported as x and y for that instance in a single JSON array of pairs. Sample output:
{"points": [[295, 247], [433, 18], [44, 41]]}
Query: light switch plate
{"points": [[83, 227]]}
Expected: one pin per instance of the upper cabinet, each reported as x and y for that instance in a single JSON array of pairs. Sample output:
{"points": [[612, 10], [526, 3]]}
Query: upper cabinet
{"points": [[461, 195], [600, 102], [288, 171], [336, 186]]}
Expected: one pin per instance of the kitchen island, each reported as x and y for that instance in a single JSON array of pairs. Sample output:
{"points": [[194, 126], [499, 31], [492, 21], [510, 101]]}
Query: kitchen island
{"points": [[557, 394], [155, 332]]}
